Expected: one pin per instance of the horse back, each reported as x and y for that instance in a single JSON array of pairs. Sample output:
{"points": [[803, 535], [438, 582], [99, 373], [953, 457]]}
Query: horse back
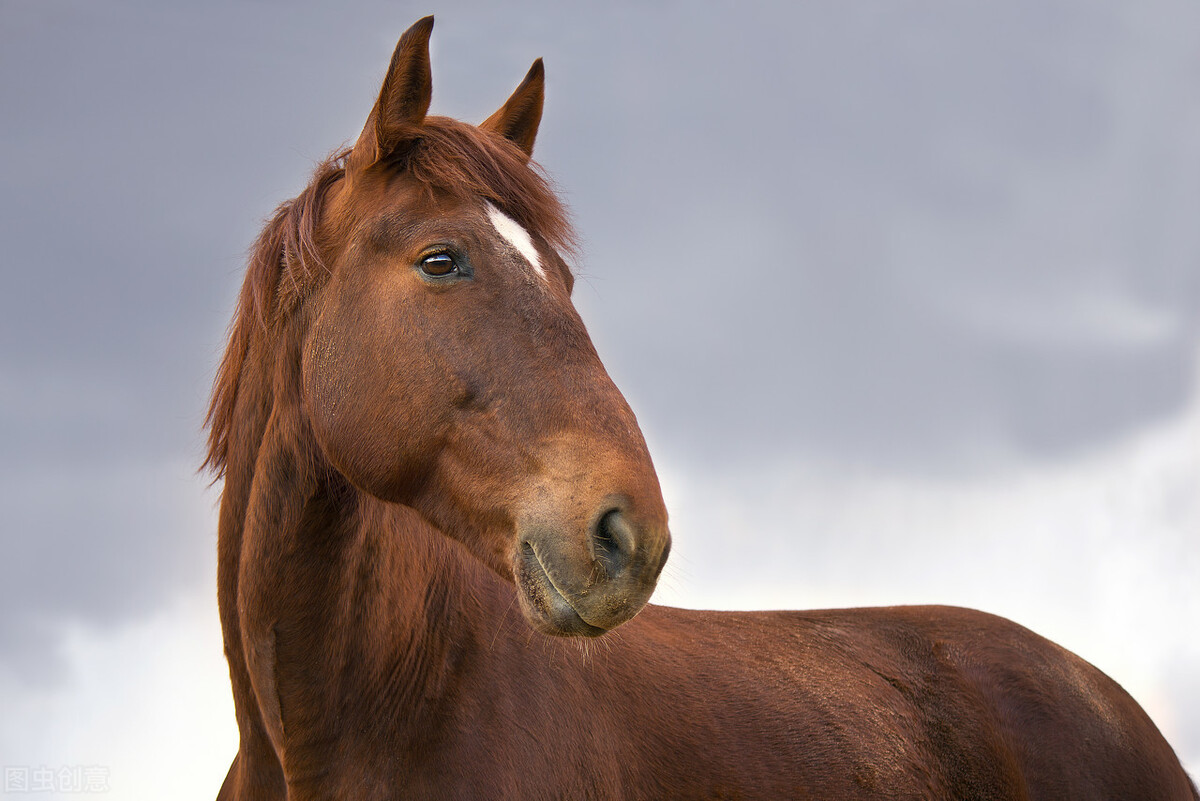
{"points": [[1074, 731], [899, 702]]}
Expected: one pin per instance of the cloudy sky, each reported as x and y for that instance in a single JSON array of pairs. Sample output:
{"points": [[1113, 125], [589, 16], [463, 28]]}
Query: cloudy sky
{"points": [[906, 296]]}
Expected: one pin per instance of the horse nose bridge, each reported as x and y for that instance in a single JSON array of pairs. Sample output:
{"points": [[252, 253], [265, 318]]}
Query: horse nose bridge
{"points": [[574, 387]]}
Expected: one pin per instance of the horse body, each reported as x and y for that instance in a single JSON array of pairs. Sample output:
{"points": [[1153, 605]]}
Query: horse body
{"points": [[412, 674], [428, 471]]}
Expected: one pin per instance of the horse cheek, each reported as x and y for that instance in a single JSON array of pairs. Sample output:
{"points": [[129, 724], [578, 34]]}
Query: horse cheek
{"points": [[364, 434]]}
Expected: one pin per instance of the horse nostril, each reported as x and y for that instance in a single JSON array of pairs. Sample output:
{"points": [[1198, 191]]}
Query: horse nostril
{"points": [[613, 542]]}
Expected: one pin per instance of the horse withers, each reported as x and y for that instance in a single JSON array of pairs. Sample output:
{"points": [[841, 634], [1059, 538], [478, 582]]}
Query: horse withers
{"points": [[431, 483]]}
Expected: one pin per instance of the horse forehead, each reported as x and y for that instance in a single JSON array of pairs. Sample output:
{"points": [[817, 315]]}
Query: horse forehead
{"points": [[513, 233]]}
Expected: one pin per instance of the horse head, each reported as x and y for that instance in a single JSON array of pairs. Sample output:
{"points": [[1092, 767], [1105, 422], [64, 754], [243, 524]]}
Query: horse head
{"points": [[440, 363]]}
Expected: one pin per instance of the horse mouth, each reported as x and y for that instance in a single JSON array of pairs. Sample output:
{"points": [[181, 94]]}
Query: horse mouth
{"points": [[545, 606]]}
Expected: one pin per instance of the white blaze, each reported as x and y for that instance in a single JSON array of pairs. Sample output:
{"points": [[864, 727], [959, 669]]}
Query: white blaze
{"points": [[516, 236]]}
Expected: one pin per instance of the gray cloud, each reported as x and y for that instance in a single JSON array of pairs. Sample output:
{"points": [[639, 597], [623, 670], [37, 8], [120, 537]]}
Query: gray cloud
{"points": [[887, 236]]}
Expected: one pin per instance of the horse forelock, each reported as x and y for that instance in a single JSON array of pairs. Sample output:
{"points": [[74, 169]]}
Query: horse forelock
{"points": [[467, 162], [286, 261]]}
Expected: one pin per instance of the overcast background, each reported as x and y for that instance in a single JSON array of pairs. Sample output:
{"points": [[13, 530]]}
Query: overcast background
{"points": [[906, 295]]}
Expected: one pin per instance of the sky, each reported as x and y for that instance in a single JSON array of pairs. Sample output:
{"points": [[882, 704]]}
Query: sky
{"points": [[905, 295]]}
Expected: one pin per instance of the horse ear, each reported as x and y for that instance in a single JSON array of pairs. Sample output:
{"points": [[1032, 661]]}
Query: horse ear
{"points": [[518, 119], [403, 100]]}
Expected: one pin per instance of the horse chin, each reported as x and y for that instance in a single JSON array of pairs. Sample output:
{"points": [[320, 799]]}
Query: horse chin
{"points": [[545, 607]]}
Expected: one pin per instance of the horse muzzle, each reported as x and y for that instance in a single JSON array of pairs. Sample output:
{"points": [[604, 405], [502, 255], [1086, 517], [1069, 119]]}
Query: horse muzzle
{"points": [[585, 586]]}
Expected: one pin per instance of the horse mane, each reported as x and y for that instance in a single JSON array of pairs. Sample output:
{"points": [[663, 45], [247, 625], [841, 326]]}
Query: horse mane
{"points": [[443, 155]]}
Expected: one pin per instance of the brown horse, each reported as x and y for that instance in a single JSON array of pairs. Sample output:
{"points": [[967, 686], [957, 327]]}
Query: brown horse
{"points": [[422, 454]]}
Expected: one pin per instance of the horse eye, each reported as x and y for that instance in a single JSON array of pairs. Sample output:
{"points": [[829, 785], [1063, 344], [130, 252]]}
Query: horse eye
{"points": [[438, 265]]}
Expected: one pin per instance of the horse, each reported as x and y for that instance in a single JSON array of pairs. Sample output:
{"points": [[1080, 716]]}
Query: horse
{"points": [[438, 509]]}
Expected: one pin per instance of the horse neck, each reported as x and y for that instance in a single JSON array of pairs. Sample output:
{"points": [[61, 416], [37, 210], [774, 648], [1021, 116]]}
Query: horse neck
{"points": [[332, 603]]}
